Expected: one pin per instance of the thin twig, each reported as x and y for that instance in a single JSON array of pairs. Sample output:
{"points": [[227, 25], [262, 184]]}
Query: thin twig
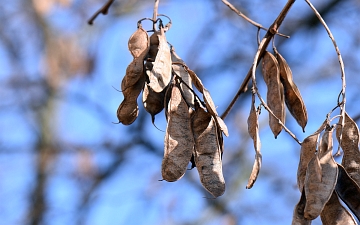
{"points": [[104, 10], [258, 25], [155, 14], [342, 68], [267, 38]]}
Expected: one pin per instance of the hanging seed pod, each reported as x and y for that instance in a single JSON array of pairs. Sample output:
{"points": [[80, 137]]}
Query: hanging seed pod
{"points": [[335, 214], [210, 106], [350, 146], [153, 102], [298, 215], [179, 140], [307, 152], [167, 98], [271, 74], [293, 99], [207, 153], [319, 190], [178, 69], [160, 74], [349, 192], [138, 46], [128, 110], [253, 130]]}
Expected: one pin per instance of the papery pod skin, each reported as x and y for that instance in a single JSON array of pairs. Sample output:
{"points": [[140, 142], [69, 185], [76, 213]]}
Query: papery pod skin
{"points": [[350, 146], [318, 192], [179, 140], [298, 214], [139, 43], [336, 214], [128, 110], [207, 152], [271, 74], [134, 73], [167, 98], [179, 69], [307, 152], [349, 192], [153, 102], [160, 74], [210, 106], [253, 129], [293, 99]]}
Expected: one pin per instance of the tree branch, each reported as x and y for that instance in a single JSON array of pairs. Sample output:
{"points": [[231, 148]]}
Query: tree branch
{"points": [[104, 10]]}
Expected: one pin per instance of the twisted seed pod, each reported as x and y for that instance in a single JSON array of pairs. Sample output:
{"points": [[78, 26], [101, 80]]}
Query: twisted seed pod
{"points": [[253, 130], [207, 153], [138, 46], [293, 99], [350, 146], [153, 102], [270, 69], [298, 214], [210, 106], [335, 214], [179, 140], [180, 71], [319, 190], [128, 110], [349, 192], [160, 74]]}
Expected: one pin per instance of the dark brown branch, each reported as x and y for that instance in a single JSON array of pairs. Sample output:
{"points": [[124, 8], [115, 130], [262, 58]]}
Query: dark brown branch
{"points": [[104, 10], [267, 38]]}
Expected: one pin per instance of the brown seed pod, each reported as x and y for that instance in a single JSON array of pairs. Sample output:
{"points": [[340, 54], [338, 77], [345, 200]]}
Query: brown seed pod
{"points": [[293, 99], [307, 152], [349, 192], [160, 74], [179, 140], [128, 110], [253, 129], [207, 153], [271, 74], [335, 214], [210, 106], [319, 190], [139, 43], [298, 215], [153, 102], [185, 77], [350, 146]]}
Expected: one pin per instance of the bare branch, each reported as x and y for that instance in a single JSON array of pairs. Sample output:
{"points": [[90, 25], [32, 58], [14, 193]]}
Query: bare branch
{"points": [[104, 10]]}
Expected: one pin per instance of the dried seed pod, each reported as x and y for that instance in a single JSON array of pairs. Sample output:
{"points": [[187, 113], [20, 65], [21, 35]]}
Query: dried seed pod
{"points": [[318, 191], [160, 74], [253, 130], [210, 106], [350, 146], [185, 76], [167, 98], [139, 43], [134, 72], [335, 214], [179, 140], [307, 152], [128, 110], [207, 152], [293, 99], [271, 72], [153, 102], [298, 215], [349, 192]]}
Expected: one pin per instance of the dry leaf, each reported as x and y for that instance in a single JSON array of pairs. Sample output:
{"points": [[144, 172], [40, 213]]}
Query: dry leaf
{"points": [[293, 99], [179, 139], [271, 72], [207, 152], [348, 191], [318, 192]]}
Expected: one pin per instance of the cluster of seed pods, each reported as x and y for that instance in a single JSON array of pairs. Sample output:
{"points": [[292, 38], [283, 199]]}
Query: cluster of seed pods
{"points": [[194, 129]]}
